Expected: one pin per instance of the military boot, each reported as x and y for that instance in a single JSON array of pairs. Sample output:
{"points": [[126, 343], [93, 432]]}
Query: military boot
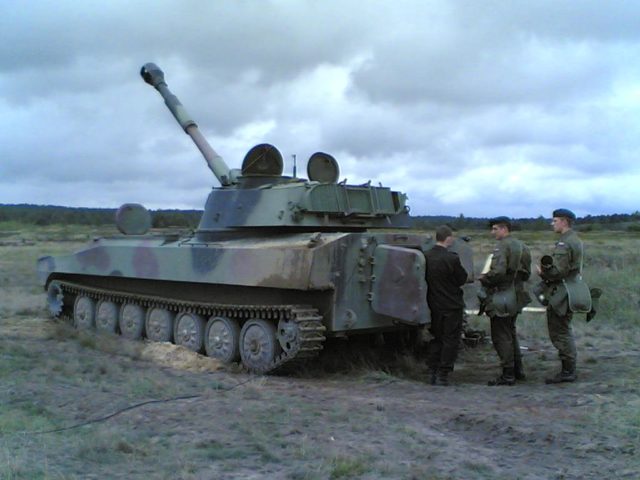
{"points": [[433, 376], [519, 371], [507, 378], [567, 374], [442, 378]]}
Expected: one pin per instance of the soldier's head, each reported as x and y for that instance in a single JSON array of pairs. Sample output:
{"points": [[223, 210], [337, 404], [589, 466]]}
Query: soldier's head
{"points": [[562, 220], [500, 227], [444, 236]]}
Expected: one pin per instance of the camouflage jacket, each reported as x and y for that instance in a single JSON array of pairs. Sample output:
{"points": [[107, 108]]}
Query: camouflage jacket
{"points": [[567, 258], [510, 262]]}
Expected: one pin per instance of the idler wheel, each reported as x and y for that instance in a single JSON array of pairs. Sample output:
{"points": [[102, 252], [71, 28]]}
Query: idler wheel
{"points": [[222, 339], [189, 331], [107, 316], [131, 321], [258, 345], [159, 324], [55, 299], [84, 313]]}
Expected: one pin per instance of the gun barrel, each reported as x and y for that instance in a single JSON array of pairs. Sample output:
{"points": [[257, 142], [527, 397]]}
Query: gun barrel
{"points": [[152, 74]]}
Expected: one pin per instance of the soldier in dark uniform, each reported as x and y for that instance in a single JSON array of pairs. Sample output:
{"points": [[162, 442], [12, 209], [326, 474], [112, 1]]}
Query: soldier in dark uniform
{"points": [[566, 264], [505, 297], [445, 275]]}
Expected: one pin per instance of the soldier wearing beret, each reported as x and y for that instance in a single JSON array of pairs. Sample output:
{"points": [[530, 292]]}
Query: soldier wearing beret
{"points": [[565, 263], [505, 297]]}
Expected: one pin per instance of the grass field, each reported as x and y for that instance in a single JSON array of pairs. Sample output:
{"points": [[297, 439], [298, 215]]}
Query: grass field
{"points": [[74, 405]]}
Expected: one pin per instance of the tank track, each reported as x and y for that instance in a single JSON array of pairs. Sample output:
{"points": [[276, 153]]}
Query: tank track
{"points": [[306, 320]]}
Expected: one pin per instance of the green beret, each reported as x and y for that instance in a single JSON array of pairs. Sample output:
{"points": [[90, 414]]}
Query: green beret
{"points": [[500, 221], [564, 212]]}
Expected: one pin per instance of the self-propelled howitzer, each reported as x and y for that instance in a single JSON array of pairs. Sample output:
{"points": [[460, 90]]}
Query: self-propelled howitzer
{"points": [[276, 265]]}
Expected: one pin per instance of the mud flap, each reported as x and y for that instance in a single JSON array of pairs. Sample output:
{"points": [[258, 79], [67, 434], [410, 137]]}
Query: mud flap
{"points": [[399, 288]]}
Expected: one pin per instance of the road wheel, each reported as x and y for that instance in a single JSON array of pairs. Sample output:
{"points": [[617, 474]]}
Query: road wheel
{"points": [[107, 316], [189, 331], [222, 339], [131, 321], [258, 345], [159, 324], [84, 313]]}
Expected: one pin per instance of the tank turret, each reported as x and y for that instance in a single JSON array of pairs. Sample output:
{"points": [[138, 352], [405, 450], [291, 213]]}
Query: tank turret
{"points": [[259, 196]]}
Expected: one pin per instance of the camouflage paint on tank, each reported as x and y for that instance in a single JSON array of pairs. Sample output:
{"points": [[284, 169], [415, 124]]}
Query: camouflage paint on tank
{"points": [[304, 204], [317, 256], [358, 285], [96, 259], [144, 261], [281, 262], [360, 271]]}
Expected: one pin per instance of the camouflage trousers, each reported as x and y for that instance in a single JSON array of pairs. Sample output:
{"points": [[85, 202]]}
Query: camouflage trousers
{"points": [[446, 328], [561, 335], [505, 340]]}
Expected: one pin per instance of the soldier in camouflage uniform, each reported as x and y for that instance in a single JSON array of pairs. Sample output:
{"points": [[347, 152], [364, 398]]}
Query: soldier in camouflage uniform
{"points": [[510, 268], [567, 262]]}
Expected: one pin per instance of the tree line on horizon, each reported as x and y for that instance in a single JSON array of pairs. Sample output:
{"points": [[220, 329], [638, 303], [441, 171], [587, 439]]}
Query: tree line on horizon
{"points": [[43, 215], [616, 221], [164, 218]]}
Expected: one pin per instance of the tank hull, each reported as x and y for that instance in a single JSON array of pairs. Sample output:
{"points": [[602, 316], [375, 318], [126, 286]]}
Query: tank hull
{"points": [[273, 298], [357, 281]]}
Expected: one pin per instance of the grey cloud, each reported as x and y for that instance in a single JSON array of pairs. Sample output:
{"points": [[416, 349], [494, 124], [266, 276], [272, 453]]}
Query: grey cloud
{"points": [[435, 98]]}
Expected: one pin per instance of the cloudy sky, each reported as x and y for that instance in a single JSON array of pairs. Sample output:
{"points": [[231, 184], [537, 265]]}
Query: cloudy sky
{"points": [[473, 107]]}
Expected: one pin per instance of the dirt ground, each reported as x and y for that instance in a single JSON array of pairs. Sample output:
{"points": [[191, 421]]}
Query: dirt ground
{"points": [[74, 405]]}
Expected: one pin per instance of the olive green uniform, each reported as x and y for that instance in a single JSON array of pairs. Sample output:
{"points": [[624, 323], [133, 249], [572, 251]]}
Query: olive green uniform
{"points": [[567, 262], [510, 265]]}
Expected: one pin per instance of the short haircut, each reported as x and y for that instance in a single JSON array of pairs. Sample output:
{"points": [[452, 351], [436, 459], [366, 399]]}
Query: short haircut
{"points": [[443, 232]]}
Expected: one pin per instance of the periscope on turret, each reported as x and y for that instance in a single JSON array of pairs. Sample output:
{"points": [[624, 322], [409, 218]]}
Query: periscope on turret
{"points": [[276, 266]]}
